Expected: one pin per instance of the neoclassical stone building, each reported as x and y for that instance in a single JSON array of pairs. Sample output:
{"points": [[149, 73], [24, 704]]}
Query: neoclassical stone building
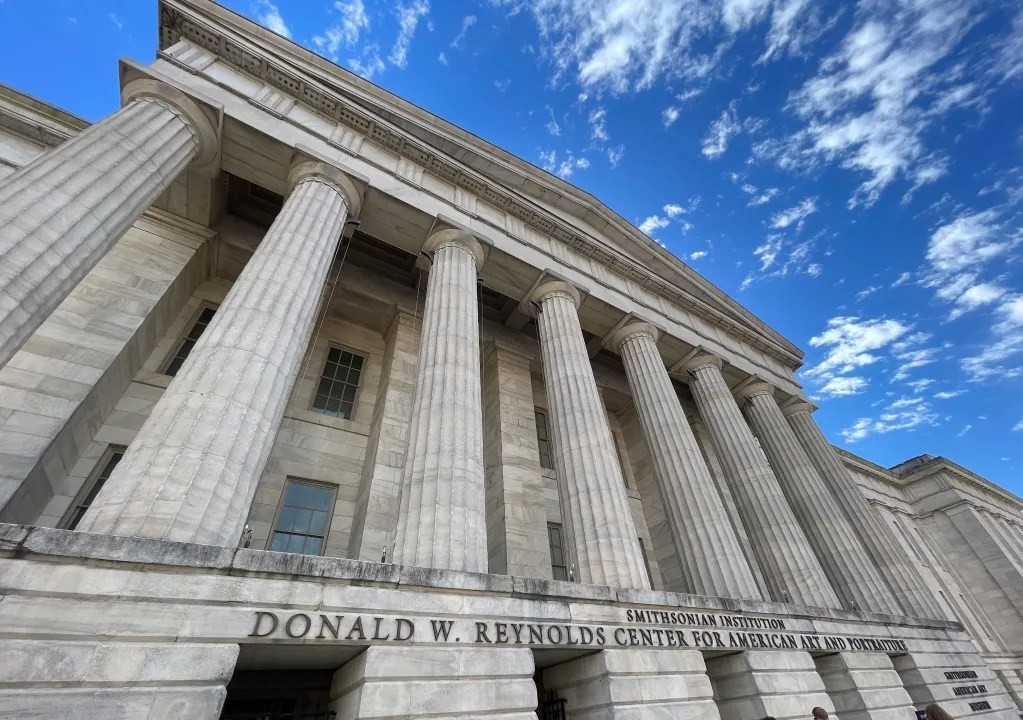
{"points": [[313, 403]]}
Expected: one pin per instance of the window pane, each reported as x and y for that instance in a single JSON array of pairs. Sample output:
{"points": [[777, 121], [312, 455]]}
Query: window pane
{"points": [[318, 523], [560, 573], [280, 542], [287, 521], [313, 545], [189, 343], [296, 544]]}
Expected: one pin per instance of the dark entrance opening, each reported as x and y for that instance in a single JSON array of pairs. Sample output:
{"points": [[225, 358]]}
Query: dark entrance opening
{"points": [[278, 695]]}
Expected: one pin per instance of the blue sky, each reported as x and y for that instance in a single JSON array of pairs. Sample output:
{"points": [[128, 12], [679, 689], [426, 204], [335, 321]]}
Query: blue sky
{"points": [[851, 172]]}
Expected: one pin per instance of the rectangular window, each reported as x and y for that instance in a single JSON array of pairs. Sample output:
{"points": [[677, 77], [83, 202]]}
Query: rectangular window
{"points": [[303, 518], [92, 486], [559, 565], [339, 383], [646, 562], [185, 349], [543, 439]]}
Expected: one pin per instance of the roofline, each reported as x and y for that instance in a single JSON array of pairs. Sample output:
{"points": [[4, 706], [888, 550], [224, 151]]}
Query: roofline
{"points": [[367, 94]]}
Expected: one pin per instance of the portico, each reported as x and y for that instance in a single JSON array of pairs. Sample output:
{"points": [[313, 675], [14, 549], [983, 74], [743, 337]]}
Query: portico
{"points": [[493, 407]]}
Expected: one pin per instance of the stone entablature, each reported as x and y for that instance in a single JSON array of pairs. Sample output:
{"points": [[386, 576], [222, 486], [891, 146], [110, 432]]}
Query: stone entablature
{"points": [[207, 44]]}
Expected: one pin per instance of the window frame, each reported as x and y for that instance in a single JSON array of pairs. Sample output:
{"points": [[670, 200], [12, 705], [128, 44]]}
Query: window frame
{"points": [[537, 414], [319, 378], [90, 484], [564, 551], [280, 509], [646, 562], [173, 355]]}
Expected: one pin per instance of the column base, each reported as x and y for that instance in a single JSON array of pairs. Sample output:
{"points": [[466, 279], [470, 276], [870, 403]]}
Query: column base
{"points": [[633, 684], [442, 683]]}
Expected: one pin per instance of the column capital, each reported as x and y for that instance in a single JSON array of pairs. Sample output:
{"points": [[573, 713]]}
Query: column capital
{"points": [[758, 387], [459, 238], [701, 360], [798, 406], [304, 169], [555, 288], [630, 330], [206, 136]]}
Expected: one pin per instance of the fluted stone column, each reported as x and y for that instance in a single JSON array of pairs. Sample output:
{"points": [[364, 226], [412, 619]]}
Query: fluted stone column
{"points": [[791, 570], [442, 510], [594, 505], [712, 560], [192, 470], [63, 211], [844, 558], [901, 575]]}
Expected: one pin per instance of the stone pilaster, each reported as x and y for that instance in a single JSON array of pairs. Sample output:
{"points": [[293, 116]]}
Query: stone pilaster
{"points": [[594, 504], [192, 470], [516, 513], [895, 565], [376, 508], [844, 559], [712, 559], [864, 686], [61, 213], [783, 684], [442, 521], [635, 683], [414, 681], [792, 571]]}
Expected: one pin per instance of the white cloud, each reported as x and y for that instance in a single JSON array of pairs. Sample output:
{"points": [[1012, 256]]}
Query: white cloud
{"points": [[408, 18], [852, 343], [370, 64], [570, 164], [948, 394], [698, 254], [552, 127], [918, 386], [502, 85], [1018, 426], [902, 279], [615, 155], [652, 224], [867, 291], [598, 124], [966, 428], [467, 22], [903, 414], [548, 160], [345, 32], [1002, 357], [871, 102], [119, 23], [794, 215], [768, 251], [442, 59], [673, 210], [763, 198], [269, 17], [976, 296], [969, 240], [669, 116], [720, 133], [843, 385]]}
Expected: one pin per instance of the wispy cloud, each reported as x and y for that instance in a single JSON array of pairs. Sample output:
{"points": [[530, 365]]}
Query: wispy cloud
{"points": [[344, 33], [720, 133], [796, 215], [670, 115], [902, 414], [598, 124], [467, 22], [119, 23], [408, 19]]}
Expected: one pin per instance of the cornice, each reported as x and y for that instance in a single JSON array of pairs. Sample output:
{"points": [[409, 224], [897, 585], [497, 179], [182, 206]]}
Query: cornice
{"points": [[176, 24], [29, 118]]}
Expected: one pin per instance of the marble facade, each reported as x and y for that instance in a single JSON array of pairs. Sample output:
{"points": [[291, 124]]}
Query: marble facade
{"points": [[313, 402]]}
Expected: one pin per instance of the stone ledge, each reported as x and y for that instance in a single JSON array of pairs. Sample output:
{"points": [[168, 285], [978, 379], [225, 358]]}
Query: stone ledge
{"points": [[24, 541]]}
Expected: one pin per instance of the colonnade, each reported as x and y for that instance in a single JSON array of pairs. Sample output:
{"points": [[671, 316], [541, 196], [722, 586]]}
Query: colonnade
{"points": [[191, 472]]}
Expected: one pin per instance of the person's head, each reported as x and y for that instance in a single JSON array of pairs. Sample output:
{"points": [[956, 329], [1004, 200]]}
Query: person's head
{"points": [[934, 711], [820, 713]]}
